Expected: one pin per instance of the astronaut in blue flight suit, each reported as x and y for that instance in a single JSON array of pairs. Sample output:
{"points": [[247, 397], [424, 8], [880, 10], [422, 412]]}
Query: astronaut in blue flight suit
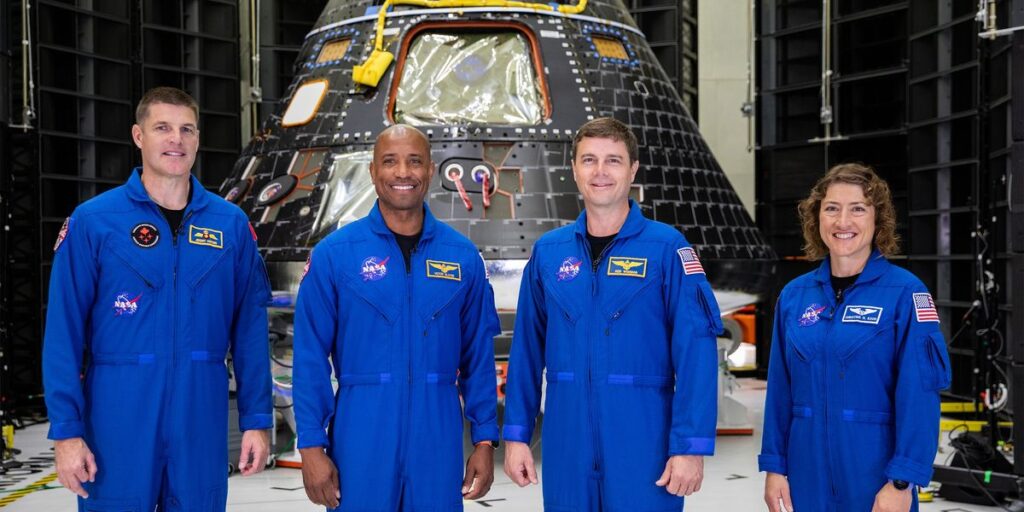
{"points": [[398, 305], [857, 362], [618, 312], [156, 280]]}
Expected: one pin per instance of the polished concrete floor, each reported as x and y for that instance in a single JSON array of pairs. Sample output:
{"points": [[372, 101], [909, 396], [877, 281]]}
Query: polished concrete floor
{"points": [[731, 481]]}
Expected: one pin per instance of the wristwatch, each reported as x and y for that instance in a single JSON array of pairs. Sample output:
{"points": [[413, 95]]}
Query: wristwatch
{"points": [[900, 485]]}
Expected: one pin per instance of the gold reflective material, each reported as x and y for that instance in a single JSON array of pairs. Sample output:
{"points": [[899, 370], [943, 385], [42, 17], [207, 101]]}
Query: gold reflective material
{"points": [[333, 50], [466, 77], [610, 48]]}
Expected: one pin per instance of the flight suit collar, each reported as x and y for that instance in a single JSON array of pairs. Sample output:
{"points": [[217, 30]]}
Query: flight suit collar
{"points": [[634, 224], [876, 266], [380, 227], [137, 191]]}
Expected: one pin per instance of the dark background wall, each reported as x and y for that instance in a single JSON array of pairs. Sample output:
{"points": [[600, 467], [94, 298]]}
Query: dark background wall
{"points": [[915, 93], [938, 111], [91, 60]]}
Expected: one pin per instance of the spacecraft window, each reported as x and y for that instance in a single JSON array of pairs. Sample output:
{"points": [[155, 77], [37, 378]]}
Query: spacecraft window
{"points": [[305, 103], [349, 194], [483, 73]]}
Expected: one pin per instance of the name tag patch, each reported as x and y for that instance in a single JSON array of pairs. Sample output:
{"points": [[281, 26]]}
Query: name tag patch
{"points": [[444, 270], [205, 236], [862, 314], [625, 266]]}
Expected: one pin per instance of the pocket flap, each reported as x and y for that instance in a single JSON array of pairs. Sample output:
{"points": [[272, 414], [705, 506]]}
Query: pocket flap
{"points": [[206, 268], [706, 296], [440, 298], [803, 348], [568, 307], [375, 300], [848, 348], [627, 294], [935, 371], [138, 266]]}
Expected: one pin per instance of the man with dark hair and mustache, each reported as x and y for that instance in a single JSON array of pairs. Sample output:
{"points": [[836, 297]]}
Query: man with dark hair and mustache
{"points": [[400, 304]]}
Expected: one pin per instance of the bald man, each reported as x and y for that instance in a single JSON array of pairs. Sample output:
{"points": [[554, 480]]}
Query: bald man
{"points": [[401, 305]]}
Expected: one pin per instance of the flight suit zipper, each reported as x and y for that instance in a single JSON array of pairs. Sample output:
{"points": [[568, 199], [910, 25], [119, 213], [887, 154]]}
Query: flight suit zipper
{"points": [[174, 284], [838, 298], [594, 424], [409, 336]]}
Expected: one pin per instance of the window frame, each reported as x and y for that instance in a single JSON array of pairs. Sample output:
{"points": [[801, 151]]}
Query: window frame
{"points": [[470, 26]]}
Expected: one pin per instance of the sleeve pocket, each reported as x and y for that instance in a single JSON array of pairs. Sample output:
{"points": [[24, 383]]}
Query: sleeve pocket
{"points": [[935, 371], [710, 307]]}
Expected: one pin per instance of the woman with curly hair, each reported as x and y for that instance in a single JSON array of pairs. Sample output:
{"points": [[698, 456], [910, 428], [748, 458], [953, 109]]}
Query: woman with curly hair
{"points": [[857, 362]]}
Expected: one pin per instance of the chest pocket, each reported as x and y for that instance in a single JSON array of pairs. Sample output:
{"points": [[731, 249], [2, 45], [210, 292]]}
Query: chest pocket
{"points": [[862, 337], [208, 267], [137, 266], [625, 292], [567, 309], [557, 295], [439, 297], [371, 294], [804, 344]]}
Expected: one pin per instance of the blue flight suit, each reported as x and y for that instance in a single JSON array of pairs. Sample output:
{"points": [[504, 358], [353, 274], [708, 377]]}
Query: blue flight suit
{"points": [[853, 388], [403, 346], [629, 346], [157, 313]]}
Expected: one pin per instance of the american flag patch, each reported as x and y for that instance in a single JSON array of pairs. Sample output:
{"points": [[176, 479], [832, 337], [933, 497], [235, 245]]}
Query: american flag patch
{"points": [[691, 264], [924, 307]]}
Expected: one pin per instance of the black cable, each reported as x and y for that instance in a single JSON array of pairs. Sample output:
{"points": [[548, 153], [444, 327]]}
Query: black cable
{"points": [[275, 337], [969, 446]]}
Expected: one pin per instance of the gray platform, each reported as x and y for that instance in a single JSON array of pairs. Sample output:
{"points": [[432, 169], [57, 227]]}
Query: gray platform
{"points": [[731, 480]]}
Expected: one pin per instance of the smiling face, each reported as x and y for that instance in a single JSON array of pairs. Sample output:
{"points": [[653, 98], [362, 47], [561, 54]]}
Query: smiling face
{"points": [[401, 169], [168, 139], [846, 222], [603, 172]]}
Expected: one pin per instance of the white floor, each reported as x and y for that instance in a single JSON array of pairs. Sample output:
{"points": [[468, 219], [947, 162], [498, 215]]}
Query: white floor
{"points": [[731, 481]]}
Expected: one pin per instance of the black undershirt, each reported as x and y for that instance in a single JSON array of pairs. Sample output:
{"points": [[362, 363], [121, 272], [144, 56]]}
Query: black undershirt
{"points": [[174, 216], [407, 243], [598, 244], [840, 284]]}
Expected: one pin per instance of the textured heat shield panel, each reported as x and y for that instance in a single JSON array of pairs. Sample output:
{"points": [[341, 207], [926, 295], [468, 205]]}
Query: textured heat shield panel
{"points": [[447, 61]]}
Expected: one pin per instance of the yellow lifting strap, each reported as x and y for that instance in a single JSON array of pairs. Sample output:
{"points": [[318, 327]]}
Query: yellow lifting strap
{"points": [[372, 70]]}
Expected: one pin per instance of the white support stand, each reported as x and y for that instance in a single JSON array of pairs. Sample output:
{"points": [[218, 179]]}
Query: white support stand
{"points": [[732, 415]]}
